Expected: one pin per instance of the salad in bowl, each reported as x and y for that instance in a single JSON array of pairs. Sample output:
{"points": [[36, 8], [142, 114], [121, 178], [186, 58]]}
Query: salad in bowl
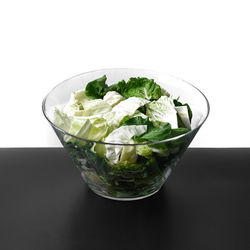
{"points": [[125, 129]]}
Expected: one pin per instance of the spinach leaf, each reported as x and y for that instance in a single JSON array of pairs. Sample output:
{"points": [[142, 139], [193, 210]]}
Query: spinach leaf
{"points": [[96, 89]]}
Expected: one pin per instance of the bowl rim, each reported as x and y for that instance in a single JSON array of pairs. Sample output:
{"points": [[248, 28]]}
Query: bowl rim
{"points": [[126, 144]]}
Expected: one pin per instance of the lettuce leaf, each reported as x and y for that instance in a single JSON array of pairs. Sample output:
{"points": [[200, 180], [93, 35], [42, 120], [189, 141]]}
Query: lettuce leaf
{"points": [[162, 110], [162, 133], [98, 130], [144, 150], [178, 103], [126, 107], [95, 107], [80, 128], [140, 87], [128, 153], [97, 89], [138, 120], [120, 86], [183, 117], [93, 128], [121, 135], [75, 105], [138, 113], [62, 120], [113, 98]]}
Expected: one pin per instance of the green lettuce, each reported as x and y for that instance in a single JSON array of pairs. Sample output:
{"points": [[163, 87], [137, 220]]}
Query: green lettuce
{"points": [[121, 135], [128, 153], [139, 87], [120, 86], [75, 105], [113, 98], [144, 150], [162, 133], [127, 107], [98, 130], [138, 120], [96, 107], [97, 89], [162, 110], [178, 103], [80, 128], [62, 120]]}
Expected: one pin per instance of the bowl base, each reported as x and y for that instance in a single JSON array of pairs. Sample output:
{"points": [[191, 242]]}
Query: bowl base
{"points": [[124, 198]]}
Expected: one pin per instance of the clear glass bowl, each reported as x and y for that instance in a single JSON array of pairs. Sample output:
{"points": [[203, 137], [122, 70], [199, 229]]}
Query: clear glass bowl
{"points": [[132, 182]]}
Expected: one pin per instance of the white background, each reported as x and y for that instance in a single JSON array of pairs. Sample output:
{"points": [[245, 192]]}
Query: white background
{"points": [[44, 42]]}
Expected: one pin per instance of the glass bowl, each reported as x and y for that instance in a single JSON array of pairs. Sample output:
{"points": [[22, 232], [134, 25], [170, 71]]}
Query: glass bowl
{"points": [[134, 181]]}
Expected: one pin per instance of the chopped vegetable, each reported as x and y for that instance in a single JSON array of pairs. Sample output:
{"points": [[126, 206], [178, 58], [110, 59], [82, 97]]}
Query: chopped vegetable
{"points": [[96, 89], [163, 110], [128, 113], [140, 87]]}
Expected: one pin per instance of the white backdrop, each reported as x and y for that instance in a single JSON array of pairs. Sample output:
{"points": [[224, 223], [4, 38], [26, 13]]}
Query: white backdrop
{"points": [[204, 42]]}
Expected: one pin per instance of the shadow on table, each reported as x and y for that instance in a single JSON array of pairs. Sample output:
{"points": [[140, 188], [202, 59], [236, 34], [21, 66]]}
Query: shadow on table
{"points": [[100, 222]]}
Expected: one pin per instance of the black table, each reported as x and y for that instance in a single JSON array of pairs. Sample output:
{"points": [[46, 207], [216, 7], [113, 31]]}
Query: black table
{"points": [[44, 204]]}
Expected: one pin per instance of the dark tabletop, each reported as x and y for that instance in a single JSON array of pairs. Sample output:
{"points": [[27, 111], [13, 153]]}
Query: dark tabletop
{"points": [[44, 204]]}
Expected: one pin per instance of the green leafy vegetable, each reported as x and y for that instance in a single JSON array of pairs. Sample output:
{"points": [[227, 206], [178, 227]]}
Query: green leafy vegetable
{"points": [[124, 113], [113, 98], [180, 122], [158, 134], [97, 88], [144, 150], [139, 87], [62, 120], [128, 153], [138, 120], [98, 129], [178, 131], [120, 86], [92, 160], [177, 103], [162, 133], [162, 110], [121, 135], [111, 88], [142, 109], [124, 119], [96, 107]]}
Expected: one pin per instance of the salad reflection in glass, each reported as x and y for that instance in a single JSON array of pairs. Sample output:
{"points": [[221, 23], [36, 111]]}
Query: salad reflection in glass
{"points": [[137, 113]]}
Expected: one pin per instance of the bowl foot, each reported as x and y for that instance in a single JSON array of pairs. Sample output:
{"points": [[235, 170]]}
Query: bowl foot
{"points": [[124, 198]]}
